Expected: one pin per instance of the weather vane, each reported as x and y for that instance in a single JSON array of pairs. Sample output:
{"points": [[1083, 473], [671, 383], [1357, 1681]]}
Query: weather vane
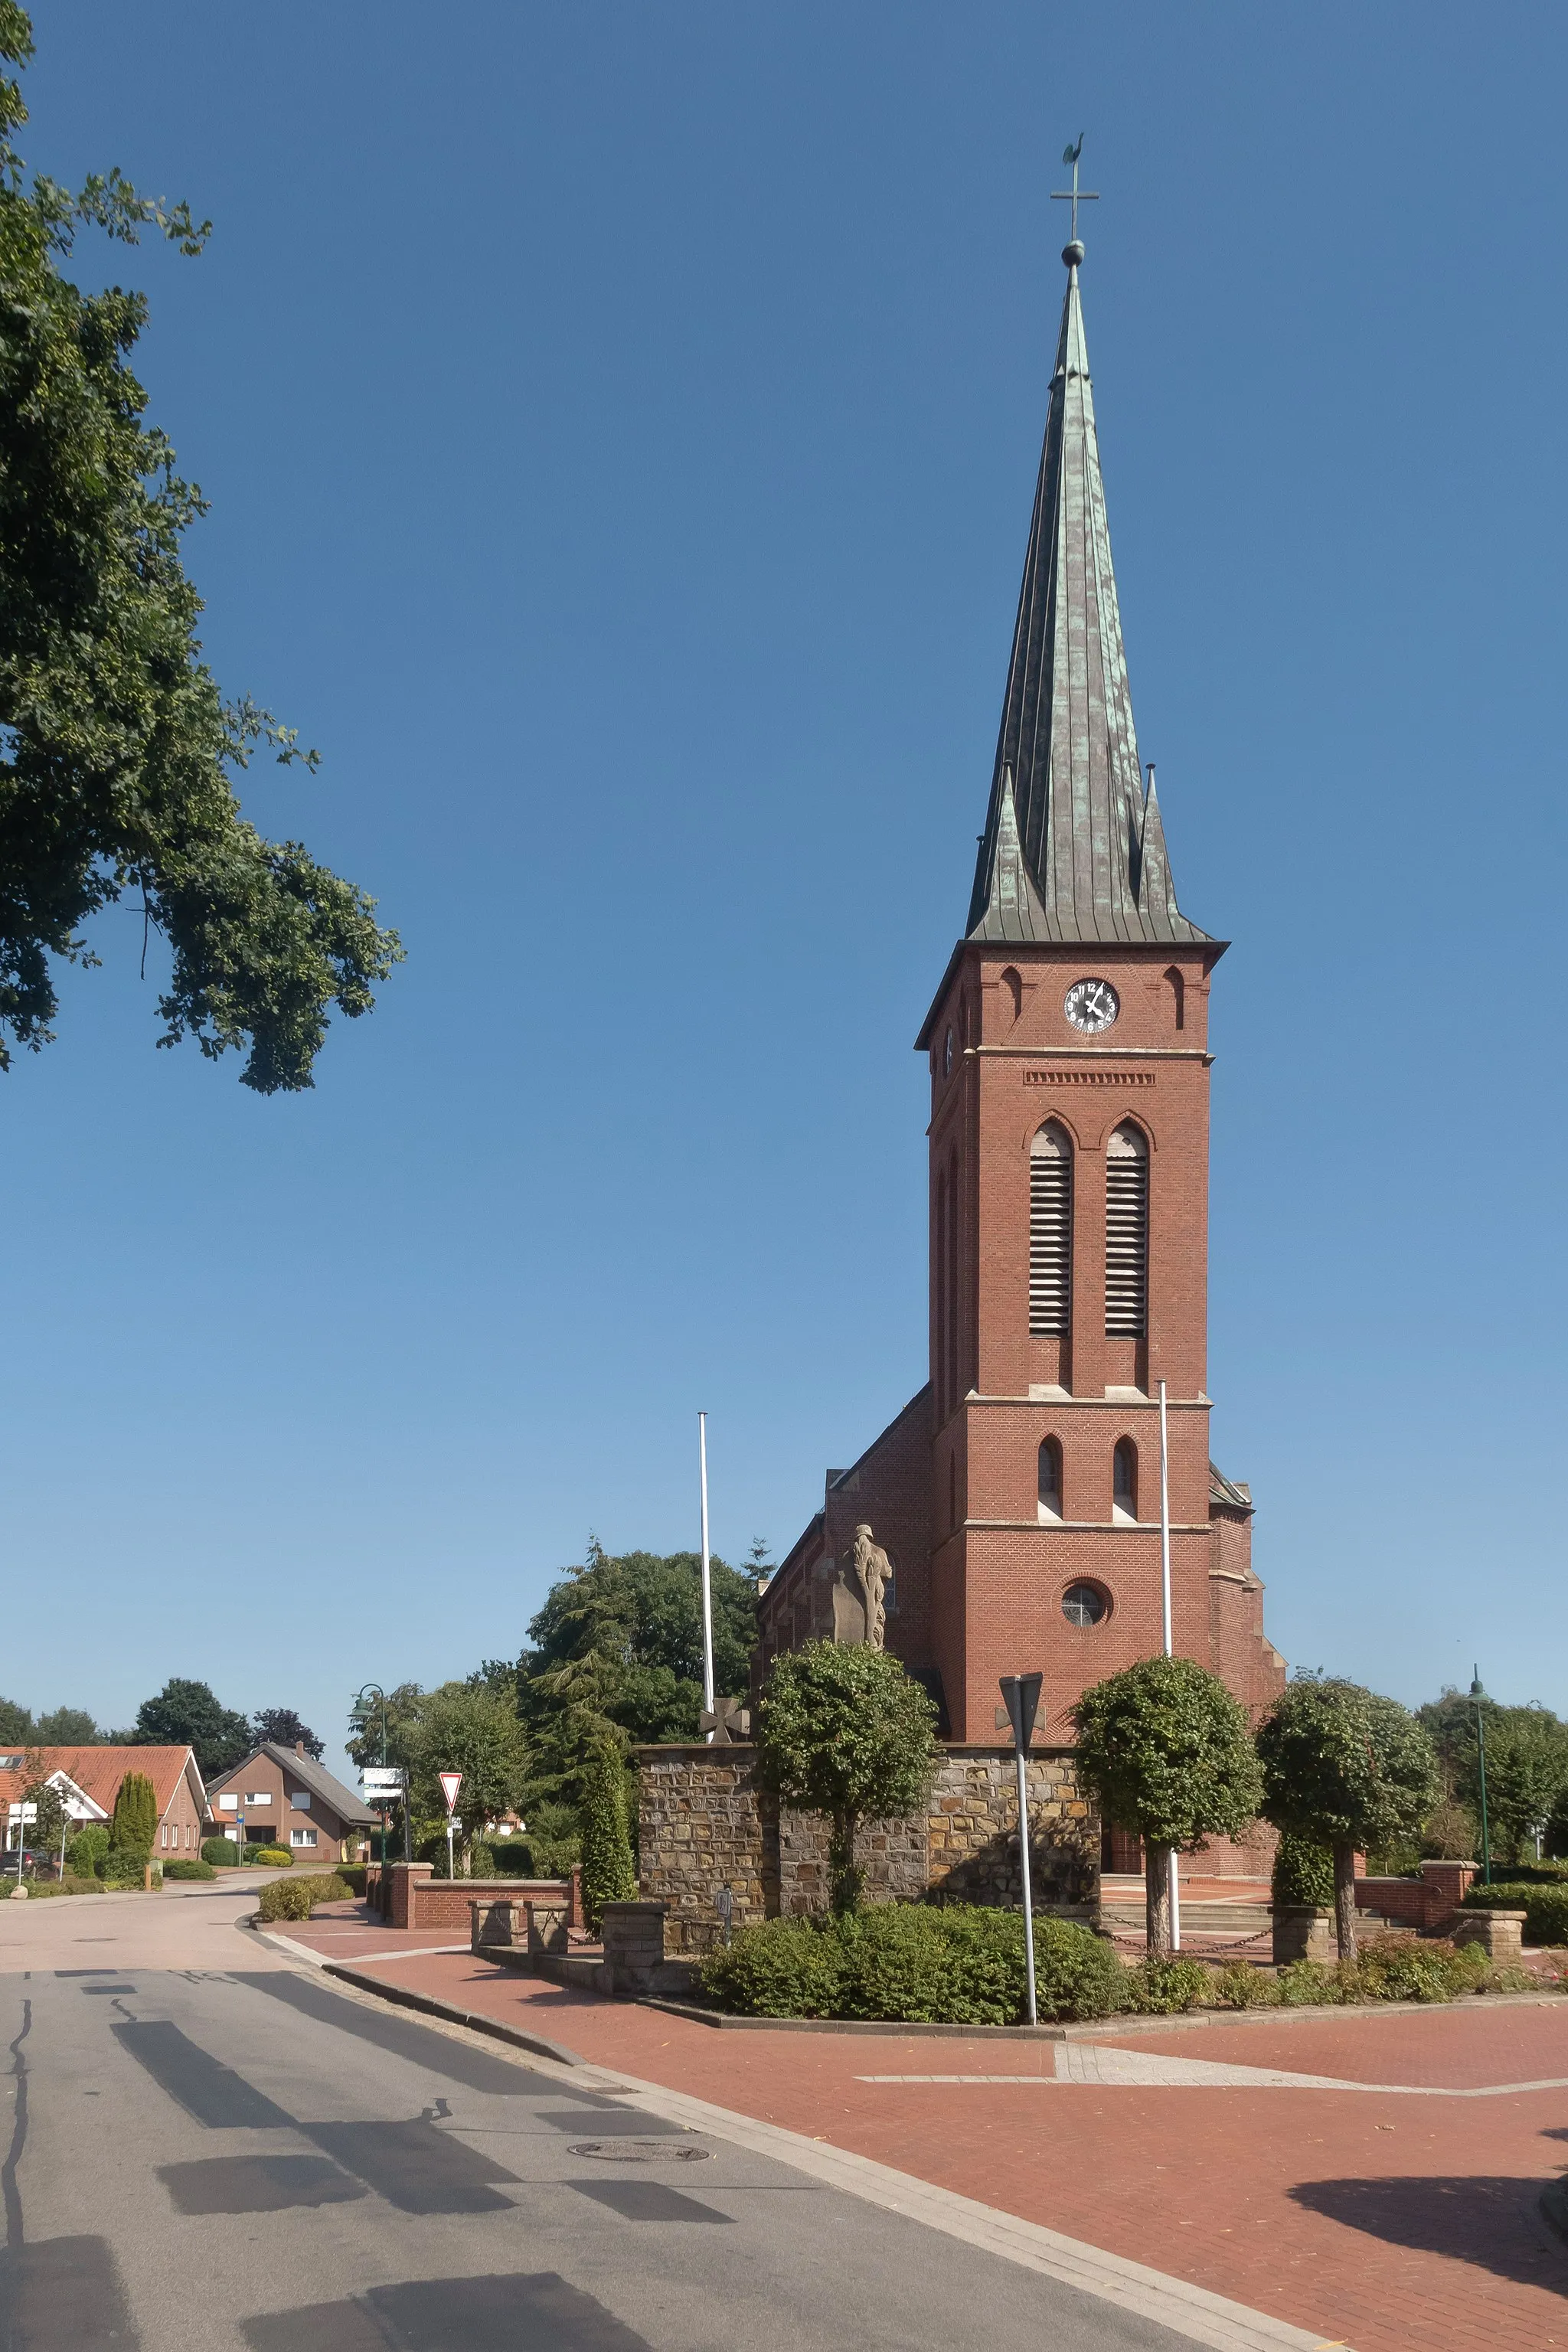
{"points": [[1075, 195]]}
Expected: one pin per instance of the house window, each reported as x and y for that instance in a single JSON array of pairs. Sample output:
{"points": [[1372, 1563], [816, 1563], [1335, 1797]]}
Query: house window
{"points": [[1127, 1233], [259, 1797], [1050, 1481], [1124, 1482], [163, 1834], [229, 1805], [1050, 1230], [302, 1837], [299, 1799]]}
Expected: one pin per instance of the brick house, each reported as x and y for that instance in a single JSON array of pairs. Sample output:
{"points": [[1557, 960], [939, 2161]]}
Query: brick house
{"points": [[289, 1800], [1017, 1494], [88, 1779]]}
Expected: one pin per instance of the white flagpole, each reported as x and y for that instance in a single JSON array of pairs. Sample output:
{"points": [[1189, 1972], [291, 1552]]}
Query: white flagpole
{"points": [[1165, 1597], [706, 1578]]}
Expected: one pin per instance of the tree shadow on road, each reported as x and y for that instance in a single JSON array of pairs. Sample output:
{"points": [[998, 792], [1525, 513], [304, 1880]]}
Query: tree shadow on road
{"points": [[1492, 2222]]}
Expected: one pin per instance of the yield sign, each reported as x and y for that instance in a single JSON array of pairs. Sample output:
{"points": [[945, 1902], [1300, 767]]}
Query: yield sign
{"points": [[450, 1784]]}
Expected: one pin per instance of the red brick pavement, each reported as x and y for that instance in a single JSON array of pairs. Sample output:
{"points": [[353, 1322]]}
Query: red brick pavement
{"points": [[1394, 2224]]}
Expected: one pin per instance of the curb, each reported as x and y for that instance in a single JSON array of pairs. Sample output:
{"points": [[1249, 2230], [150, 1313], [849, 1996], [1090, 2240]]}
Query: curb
{"points": [[535, 2044], [1098, 2029]]}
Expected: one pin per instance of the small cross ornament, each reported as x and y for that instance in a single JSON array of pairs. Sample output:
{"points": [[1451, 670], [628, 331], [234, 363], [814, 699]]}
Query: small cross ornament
{"points": [[1075, 195], [728, 1722]]}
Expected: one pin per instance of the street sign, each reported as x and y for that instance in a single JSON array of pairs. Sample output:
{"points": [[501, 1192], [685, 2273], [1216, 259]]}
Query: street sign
{"points": [[22, 1812], [382, 1783], [450, 1784]]}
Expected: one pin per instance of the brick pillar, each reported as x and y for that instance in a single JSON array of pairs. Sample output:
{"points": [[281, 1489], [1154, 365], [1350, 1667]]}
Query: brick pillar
{"points": [[407, 1877], [1445, 1884]]}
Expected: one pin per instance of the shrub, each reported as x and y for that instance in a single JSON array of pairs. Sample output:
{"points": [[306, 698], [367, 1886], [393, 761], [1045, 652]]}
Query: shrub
{"points": [[295, 1898], [352, 1875], [901, 1962], [221, 1852], [1402, 1967], [191, 1869], [271, 1857], [956, 1964], [1303, 1872], [121, 1868], [1160, 1987], [70, 1884], [1545, 1909], [514, 1858], [1244, 1987], [1307, 1984], [784, 1968], [84, 1855]]}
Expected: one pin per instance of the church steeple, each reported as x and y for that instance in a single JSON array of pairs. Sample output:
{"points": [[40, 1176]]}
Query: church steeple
{"points": [[1071, 849]]}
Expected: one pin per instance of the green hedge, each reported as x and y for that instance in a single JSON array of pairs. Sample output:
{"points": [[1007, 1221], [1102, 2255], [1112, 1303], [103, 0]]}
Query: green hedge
{"points": [[353, 1875], [294, 1898], [191, 1869], [957, 1964], [272, 1858], [1545, 1908], [1159, 1987]]}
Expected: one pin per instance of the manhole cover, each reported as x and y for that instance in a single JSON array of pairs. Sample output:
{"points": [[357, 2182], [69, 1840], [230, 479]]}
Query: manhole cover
{"points": [[642, 2151]]}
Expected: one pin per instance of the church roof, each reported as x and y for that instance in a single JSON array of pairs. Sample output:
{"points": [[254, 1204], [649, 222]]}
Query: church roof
{"points": [[1073, 847]]}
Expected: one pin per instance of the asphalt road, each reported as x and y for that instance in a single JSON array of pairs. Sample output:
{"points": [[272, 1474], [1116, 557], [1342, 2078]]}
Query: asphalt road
{"points": [[244, 2156]]}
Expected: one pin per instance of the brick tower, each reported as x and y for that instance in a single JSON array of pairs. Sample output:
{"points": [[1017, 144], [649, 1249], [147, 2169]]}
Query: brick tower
{"points": [[1018, 1494]]}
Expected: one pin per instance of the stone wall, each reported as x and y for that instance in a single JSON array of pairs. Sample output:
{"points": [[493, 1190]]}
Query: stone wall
{"points": [[704, 1825]]}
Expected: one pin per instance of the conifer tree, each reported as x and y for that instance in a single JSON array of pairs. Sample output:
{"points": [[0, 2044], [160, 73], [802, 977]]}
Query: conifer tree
{"points": [[134, 1825], [608, 1875]]}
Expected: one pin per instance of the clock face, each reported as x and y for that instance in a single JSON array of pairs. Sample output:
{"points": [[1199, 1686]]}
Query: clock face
{"points": [[1092, 1005]]}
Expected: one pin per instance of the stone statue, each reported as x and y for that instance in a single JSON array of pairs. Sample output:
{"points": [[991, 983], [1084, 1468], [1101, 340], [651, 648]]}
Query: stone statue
{"points": [[872, 1571], [849, 1615]]}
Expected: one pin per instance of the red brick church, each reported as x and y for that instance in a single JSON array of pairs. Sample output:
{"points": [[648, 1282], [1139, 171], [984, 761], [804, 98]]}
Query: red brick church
{"points": [[1017, 1495]]}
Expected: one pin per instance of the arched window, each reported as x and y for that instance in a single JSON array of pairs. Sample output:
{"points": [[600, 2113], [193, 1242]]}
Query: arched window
{"points": [[1050, 1479], [1127, 1233], [1012, 995], [1178, 988], [1124, 1482], [1050, 1230]]}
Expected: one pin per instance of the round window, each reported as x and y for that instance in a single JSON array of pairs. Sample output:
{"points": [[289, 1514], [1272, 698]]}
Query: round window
{"points": [[1086, 1604]]}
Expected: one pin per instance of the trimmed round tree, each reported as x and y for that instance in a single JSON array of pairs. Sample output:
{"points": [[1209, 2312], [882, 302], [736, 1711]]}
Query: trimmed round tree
{"points": [[844, 1732], [1168, 1752], [1348, 1769]]}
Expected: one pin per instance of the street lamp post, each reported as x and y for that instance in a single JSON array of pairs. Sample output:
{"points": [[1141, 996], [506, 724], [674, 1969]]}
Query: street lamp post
{"points": [[1479, 1695], [361, 1713]]}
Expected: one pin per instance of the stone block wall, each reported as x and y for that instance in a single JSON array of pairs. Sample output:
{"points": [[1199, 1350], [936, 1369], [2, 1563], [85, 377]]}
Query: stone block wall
{"points": [[703, 1824]]}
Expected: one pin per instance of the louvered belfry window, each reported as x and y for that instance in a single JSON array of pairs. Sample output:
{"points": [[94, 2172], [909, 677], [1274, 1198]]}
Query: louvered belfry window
{"points": [[1127, 1234], [1050, 1231]]}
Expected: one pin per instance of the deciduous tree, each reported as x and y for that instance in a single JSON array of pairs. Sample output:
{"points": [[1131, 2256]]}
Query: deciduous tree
{"points": [[188, 1714], [283, 1728], [844, 1732], [1167, 1751], [117, 753], [1349, 1768]]}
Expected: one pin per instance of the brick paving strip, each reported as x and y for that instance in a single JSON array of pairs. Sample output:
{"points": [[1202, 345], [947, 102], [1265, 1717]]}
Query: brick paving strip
{"points": [[1342, 2213]]}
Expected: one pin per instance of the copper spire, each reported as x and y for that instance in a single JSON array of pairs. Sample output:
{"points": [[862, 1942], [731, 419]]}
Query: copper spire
{"points": [[1066, 799]]}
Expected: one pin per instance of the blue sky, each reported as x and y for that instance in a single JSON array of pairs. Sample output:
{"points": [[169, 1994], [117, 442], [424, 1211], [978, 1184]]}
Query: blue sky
{"points": [[621, 426]]}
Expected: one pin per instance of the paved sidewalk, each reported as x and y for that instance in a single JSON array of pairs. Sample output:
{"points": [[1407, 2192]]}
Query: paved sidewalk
{"points": [[1387, 2222]]}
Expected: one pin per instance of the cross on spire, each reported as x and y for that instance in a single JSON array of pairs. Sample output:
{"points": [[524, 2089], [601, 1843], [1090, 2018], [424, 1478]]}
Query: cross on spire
{"points": [[1075, 195]]}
